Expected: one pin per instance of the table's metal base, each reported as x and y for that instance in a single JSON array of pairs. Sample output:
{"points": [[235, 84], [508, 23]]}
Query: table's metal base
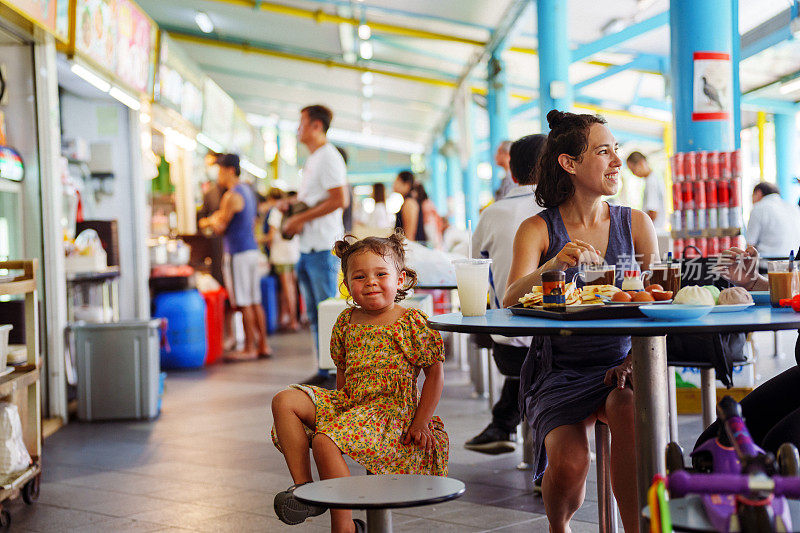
{"points": [[650, 400], [379, 521]]}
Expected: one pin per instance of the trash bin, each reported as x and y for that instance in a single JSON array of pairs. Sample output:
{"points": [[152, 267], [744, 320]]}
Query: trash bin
{"points": [[118, 369]]}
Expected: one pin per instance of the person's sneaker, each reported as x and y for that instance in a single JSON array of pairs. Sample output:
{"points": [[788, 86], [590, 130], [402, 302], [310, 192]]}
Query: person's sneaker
{"points": [[492, 440], [537, 486], [361, 526], [292, 511]]}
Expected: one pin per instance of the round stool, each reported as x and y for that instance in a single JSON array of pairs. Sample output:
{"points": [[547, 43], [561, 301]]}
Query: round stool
{"points": [[379, 494]]}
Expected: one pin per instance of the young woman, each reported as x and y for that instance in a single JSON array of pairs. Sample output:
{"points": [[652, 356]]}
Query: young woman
{"points": [[567, 383], [409, 218]]}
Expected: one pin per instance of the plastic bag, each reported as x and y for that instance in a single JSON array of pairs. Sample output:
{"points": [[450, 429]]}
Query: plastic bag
{"points": [[88, 242], [13, 454]]}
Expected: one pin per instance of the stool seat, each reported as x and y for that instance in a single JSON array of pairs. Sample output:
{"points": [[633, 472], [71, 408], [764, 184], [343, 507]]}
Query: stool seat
{"points": [[387, 491]]}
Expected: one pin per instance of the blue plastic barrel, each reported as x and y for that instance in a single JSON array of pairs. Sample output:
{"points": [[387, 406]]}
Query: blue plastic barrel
{"points": [[269, 301], [185, 314]]}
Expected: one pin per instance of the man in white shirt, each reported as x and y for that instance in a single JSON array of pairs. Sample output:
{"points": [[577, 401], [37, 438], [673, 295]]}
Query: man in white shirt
{"points": [[654, 189], [323, 188], [774, 225], [494, 239]]}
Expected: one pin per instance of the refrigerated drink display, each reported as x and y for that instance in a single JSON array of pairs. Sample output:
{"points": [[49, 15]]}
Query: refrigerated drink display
{"points": [[706, 201], [677, 248], [677, 220], [699, 194], [712, 246]]}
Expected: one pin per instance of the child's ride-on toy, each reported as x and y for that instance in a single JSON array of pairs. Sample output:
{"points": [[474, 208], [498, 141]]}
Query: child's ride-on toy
{"points": [[743, 488]]}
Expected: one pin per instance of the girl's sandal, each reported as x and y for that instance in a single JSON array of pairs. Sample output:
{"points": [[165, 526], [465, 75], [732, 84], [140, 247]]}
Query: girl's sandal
{"points": [[292, 511]]}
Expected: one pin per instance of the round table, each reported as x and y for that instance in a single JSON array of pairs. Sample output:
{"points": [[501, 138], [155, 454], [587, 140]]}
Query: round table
{"points": [[379, 494], [649, 354]]}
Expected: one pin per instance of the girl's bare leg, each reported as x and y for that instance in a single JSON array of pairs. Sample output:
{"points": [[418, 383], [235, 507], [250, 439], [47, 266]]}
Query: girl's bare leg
{"points": [[291, 410], [564, 483], [331, 464]]}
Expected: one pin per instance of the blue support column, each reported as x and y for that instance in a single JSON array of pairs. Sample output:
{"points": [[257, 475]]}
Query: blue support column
{"points": [[453, 172], [555, 91], [785, 157], [471, 187], [438, 178], [736, 45], [698, 27], [498, 109]]}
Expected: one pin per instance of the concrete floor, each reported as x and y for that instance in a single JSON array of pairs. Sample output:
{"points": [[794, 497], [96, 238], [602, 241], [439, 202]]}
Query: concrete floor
{"points": [[206, 464]]}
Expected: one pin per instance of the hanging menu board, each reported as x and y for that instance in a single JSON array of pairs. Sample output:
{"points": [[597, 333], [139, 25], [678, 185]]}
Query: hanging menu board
{"points": [[119, 37], [217, 113], [41, 12], [179, 82]]}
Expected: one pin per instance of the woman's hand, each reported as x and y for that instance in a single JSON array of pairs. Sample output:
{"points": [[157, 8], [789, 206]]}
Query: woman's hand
{"points": [[740, 267], [620, 374], [421, 436], [576, 253]]}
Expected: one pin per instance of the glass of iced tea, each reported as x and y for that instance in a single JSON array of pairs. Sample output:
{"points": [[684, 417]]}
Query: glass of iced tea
{"points": [[784, 280], [668, 275]]}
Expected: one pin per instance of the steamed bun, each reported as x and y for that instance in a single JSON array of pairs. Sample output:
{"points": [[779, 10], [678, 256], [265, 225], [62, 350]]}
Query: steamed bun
{"points": [[693, 295], [735, 295]]}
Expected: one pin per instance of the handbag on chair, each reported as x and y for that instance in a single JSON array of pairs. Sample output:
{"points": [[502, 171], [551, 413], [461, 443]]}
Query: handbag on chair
{"points": [[722, 350]]}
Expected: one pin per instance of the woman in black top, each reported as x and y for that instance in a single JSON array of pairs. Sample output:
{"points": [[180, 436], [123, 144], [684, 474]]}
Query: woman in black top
{"points": [[409, 218]]}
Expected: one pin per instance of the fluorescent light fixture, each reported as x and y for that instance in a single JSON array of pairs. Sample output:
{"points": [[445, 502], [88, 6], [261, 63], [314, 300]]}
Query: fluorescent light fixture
{"points": [[90, 77], [368, 205], [367, 91], [394, 202], [651, 112], [484, 171], [365, 49], [364, 32], [203, 22], [253, 169], [368, 140], [209, 143], [790, 86], [367, 78], [125, 98]]}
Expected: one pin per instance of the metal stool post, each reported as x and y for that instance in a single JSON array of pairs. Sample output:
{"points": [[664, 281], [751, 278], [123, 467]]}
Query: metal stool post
{"points": [[606, 504], [527, 447], [672, 392], [487, 353], [708, 398]]}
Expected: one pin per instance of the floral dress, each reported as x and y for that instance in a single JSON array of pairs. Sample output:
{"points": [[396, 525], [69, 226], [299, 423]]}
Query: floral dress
{"points": [[369, 416]]}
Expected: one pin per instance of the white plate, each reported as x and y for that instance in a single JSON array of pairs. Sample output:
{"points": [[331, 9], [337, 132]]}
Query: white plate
{"points": [[6, 371], [731, 308]]}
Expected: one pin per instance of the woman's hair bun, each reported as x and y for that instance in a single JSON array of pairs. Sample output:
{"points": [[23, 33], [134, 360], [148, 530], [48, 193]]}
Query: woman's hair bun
{"points": [[554, 118]]}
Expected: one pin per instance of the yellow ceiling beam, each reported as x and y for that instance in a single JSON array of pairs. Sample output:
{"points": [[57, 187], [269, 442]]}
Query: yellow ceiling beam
{"points": [[319, 16], [619, 113], [244, 47]]}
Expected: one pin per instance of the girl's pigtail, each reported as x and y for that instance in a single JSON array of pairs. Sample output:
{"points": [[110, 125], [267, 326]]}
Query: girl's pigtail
{"points": [[341, 247]]}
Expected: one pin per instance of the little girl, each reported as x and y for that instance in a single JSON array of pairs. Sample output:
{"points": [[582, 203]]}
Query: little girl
{"points": [[375, 415]]}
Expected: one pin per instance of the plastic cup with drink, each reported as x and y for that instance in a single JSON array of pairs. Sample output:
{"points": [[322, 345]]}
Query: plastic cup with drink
{"points": [[472, 279], [784, 280]]}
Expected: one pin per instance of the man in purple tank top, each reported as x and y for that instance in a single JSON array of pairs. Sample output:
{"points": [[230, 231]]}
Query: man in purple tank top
{"points": [[235, 219]]}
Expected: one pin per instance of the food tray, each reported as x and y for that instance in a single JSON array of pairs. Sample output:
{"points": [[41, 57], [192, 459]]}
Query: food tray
{"points": [[583, 312]]}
